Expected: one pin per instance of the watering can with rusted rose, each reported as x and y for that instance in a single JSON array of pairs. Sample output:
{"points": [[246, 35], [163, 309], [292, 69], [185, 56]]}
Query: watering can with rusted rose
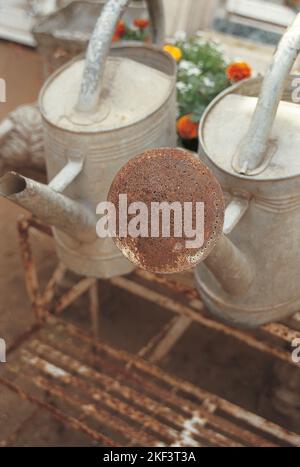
{"points": [[247, 270]]}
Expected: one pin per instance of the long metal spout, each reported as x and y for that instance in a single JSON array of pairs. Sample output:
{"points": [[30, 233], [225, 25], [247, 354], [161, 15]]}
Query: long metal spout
{"points": [[230, 267], [49, 206]]}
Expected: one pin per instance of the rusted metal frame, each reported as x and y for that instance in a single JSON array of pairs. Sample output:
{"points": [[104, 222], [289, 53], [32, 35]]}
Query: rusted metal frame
{"points": [[123, 374], [279, 330], [31, 279], [166, 343], [110, 383], [106, 419], [94, 308], [41, 302], [73, 293], [112, 403], [23, 338], [176, 307], [21, 428], [282, 356], [232, 410], [61, 416], [203, 396], [161, 344], [226, 426], [172, 417], [175, 400], [55, 279], [216, 438], [217, 422]]}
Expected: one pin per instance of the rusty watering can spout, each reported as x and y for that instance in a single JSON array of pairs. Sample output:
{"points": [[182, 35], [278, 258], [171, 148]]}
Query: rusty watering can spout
{"points": [[53, 208], [256, 150], [177, 178]]}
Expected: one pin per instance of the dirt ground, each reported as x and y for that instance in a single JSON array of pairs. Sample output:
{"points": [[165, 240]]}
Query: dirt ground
{"points": [[217, 363]]}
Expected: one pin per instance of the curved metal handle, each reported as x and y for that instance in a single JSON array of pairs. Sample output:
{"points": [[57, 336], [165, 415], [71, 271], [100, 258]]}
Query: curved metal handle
{"points": [[256, 150], [100, 43]]}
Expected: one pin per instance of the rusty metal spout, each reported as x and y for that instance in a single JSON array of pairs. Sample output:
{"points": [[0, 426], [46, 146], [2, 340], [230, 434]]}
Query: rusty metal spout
{"points": [[53, 208]]}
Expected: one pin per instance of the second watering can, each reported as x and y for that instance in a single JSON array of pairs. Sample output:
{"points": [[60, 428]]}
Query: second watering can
{"points": [[252, 145], [247, 268]]}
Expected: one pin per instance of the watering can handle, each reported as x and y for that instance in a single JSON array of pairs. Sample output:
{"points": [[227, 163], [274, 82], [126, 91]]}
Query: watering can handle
{"points": [[255, 151], [100, 43]]}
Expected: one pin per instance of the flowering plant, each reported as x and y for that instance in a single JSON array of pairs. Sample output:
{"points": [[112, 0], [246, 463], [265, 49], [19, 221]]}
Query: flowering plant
{"points": [[137, 31], [203, 72], [201, 75]]}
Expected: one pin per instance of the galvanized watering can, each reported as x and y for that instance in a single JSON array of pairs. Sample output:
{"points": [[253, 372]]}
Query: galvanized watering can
{"points": [[98, 113], [249, 271], [252, 147]]}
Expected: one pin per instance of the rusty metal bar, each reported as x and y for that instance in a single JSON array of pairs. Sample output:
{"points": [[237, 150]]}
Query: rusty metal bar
{"points": [[174, 418], [229, 408], [114, 404], [57, 276], [166, 343], [72, 294], [276, 329], [31, 279], [176, 307], [94, 308], [160, 344], [61, 416], [110, 402]]}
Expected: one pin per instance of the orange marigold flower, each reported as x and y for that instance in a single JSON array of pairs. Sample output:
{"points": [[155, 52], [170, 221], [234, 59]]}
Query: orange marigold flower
{"points": [[174, 51], [238, 71], [186, 128], [120, 29], [116, 37], [141, 23]]}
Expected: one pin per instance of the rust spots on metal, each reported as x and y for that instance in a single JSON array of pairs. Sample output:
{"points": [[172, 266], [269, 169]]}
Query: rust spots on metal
{"points": [[168, 175]]}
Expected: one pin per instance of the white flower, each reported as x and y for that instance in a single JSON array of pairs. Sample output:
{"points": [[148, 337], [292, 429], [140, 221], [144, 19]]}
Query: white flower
{"points": [[181, 86], [185, 65], [180, 36], [208, 82], [194, 71]]}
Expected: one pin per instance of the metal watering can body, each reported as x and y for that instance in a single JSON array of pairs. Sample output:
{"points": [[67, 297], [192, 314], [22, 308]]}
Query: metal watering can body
{"points": [[252, 146], [97, 114]]}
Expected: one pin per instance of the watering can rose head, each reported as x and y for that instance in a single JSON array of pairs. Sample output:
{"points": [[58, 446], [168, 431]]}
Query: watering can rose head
{"points": [[165, 210]]}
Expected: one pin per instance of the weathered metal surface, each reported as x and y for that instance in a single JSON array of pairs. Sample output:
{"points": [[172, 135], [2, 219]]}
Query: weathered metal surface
{"points": [[175, 176], [68, 215], [268, 231], [119, 399], [172, 176]]}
